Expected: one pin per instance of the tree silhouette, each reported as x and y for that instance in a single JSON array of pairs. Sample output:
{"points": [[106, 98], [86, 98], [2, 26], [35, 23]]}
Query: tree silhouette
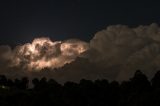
{"points": [[135, 92], [35, 83], [156, 80], [140, 82], [3, 80], [24, 83]]}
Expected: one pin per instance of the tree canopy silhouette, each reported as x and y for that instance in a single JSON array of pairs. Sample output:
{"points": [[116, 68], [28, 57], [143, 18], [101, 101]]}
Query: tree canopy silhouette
{"points": [[138, 91]]}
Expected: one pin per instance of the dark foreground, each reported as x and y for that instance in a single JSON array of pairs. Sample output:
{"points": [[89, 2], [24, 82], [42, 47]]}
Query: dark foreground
{"points": [[138, 91]]}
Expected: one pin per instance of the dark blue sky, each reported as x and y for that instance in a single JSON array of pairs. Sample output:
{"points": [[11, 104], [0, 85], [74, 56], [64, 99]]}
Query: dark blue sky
{"points": [[23, 20]]}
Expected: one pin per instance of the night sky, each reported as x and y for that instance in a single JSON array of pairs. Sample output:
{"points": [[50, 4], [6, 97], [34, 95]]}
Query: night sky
{"points": [[23, 20], [79, 53]]}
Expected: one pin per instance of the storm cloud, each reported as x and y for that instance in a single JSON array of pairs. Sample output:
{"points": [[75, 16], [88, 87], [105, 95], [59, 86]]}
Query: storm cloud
{"points": [[128, 49], [40, 54], [114, 53]]}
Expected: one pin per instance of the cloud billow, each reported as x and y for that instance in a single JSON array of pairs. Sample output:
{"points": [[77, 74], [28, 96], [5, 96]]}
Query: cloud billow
{"points": [[113, 53], [128, 49]]}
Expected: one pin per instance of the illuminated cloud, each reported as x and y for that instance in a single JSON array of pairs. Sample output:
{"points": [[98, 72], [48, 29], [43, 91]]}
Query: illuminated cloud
{"points": [[44, 53], [113, 53]]}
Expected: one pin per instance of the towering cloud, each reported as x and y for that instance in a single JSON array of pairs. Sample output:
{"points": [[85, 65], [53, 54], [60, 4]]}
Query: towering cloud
{"points": [[128, 49], [113, 53]]}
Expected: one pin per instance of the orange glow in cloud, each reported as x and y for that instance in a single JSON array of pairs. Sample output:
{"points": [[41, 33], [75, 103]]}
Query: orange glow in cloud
{"points": [[44, 53]]}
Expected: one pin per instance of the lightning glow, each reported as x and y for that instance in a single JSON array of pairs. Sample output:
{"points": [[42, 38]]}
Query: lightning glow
{"points": [[44, 53]]}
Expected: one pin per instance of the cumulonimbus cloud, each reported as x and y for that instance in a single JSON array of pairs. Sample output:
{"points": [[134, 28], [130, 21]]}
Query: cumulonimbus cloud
{"points": [[128, 49], [113, 53], [43, 53]]}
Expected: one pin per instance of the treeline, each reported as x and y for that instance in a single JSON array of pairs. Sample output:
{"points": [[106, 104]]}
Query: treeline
{"points": [[138, 91]]}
